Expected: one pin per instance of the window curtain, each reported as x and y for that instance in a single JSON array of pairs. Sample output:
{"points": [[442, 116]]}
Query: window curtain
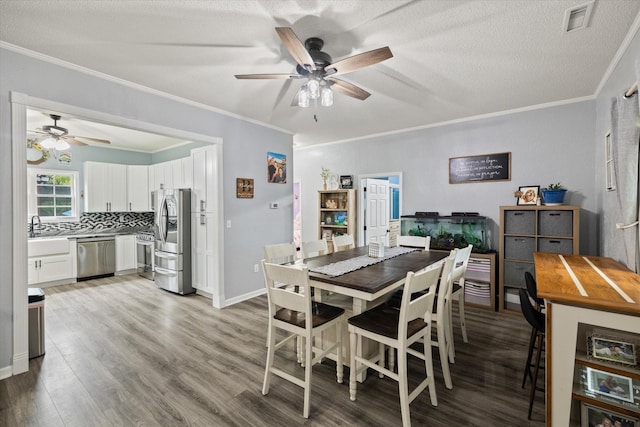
{"points": [[625, 135]]}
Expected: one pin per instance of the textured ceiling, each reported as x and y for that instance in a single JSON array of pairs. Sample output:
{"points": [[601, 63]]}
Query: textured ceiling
{"points": [[452, 59]]}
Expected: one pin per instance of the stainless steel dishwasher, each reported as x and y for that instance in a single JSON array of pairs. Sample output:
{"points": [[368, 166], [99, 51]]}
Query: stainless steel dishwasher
{"points": [[96, 257]]}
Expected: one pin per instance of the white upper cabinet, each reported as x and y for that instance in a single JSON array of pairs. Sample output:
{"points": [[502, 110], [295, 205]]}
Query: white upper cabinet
{"points": [[187, 172], [137, 188], [105, 187], [204, 179]]}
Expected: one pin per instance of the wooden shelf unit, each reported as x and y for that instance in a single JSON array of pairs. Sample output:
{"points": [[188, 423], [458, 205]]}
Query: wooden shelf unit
{"points": [[336, 214], [525, 230]]}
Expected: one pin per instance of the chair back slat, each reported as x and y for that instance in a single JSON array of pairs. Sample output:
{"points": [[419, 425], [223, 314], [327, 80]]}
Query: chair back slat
{"points": [[342, 242], [283, 297], [415, 242], [280, 253], [314, 248], [446, 281], [461, 263], [422, 306]]}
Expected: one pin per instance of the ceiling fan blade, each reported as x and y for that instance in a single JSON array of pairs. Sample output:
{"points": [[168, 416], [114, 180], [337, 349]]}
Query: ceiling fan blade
{"points": [[295, 47], [266, 76], [103, 141], [349, 89], [72, 140], [38, 131], [358, 61]]}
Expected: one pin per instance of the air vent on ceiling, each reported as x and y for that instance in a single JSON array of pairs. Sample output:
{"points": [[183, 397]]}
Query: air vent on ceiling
{"points": [[577, 17]]}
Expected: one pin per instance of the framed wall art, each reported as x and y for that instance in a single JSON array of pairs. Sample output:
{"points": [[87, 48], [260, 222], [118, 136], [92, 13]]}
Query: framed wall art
{"points": [[346, 181], [276, 168], [528, 195], [612, 349], [484, 167], [244, 188]]}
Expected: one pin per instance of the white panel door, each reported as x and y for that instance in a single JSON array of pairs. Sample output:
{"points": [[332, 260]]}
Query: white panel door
{"points": [[377, 210]]}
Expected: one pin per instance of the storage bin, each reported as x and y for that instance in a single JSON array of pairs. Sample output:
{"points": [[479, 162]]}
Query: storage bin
{"points": [[521, 248], [556, 246], [555, 223], [36, 322], [520, 222], [514, 272]]}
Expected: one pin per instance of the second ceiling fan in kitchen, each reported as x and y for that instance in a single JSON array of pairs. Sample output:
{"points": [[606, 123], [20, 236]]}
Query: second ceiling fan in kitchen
{"points": [[57, 136], [320, 71]]}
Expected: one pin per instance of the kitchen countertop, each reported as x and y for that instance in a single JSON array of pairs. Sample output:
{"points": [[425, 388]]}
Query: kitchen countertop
{"points": [[79, 234]]}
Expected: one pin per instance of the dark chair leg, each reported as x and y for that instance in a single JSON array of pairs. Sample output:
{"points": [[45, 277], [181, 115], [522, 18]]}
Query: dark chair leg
{"points": [[527, 367], [534, 385]]}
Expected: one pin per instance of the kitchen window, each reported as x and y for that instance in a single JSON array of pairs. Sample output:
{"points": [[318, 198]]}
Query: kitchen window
{"points": [[53, 194]]}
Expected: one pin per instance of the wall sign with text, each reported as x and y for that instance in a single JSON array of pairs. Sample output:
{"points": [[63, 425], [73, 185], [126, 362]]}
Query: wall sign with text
{"points": [[485, 167]]}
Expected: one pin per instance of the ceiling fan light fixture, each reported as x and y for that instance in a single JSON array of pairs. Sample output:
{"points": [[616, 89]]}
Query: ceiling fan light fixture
{"points": [[48, 143], [326, 97], [303, 97], [61, 144], [314, 88]]}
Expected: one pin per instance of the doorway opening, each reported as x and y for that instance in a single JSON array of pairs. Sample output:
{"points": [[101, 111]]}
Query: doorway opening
{"points": [[389, 216]]}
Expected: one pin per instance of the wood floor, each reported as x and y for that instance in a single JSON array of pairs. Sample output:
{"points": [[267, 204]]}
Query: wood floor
{"points": [[120, 352]]}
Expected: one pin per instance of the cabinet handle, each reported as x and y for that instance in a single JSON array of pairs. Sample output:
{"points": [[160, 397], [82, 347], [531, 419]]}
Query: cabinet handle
{"points": [[518, 214], [202, 205], [554, 214], [130, 206], [203, 219], [519, 240], [554, 241]]}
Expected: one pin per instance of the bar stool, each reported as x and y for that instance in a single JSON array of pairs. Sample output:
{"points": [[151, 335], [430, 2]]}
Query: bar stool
{"points": [[537, 321], [532, 289]]}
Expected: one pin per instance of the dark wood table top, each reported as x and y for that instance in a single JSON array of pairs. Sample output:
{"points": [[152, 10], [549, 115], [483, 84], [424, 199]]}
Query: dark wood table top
{"points": [[597, 282], [374, 279]]}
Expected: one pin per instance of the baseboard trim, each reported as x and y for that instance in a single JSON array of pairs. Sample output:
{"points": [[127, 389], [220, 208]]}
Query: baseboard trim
{"points": [[20, 363], [6, 372], [244, 297]]}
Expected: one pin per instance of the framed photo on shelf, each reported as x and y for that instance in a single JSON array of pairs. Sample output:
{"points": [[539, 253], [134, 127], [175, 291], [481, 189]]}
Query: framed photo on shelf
{"points": [[346, 181], [591, 416], [327, 234], [612, 349], [528, 195], [609, 384]]}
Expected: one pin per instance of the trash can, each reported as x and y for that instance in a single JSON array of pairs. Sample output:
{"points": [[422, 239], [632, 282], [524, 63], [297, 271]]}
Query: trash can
{"points": [[36, 322]]}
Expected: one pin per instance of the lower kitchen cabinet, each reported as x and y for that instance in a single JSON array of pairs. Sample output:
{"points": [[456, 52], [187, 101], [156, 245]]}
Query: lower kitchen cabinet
{"points": [[126, 253], [51, 260]]}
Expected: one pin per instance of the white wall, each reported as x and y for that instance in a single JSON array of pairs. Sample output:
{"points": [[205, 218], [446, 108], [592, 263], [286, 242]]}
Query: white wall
{"points": [[244, 155], [547, 145]]}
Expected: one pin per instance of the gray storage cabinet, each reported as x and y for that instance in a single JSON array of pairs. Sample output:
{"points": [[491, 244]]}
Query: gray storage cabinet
{"points": [[525, 230], [36, 322]]}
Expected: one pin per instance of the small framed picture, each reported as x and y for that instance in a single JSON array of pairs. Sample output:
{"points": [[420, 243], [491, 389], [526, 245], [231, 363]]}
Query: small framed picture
{"points": [[346, 181], [612, 349], [528, 195], [326, 234], [592, 416], [609, 384]]}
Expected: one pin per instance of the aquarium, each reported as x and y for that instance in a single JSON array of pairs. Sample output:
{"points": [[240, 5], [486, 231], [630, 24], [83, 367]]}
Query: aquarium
{"points": [[457, 230]]}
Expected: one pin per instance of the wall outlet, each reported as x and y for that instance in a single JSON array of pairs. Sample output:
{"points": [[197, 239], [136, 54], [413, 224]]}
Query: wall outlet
{"points": [[256, 268]]}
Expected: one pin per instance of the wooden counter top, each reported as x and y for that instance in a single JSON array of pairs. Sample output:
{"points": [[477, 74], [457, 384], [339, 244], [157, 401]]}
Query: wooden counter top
{"points": [[588, 281]]}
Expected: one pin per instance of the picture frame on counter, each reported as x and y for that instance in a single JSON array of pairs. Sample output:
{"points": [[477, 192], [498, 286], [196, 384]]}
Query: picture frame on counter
{"points": [[609, 384], [591, 415], [528, 195], [612, 349]]}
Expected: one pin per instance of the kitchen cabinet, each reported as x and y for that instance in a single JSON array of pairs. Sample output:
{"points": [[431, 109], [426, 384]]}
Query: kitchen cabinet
{"points": [[528, 229], [104, 187], [51, 261], [137, 188], [205, 173], [187, 172], [126, 253], [204, 253]]}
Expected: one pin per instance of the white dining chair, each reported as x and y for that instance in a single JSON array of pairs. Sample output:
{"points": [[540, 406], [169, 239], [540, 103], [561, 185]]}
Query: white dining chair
{"points": [[457, 293], [298, 316], [280, 253], [415, 242], [398, 329], [343, 242], [314, 248]]}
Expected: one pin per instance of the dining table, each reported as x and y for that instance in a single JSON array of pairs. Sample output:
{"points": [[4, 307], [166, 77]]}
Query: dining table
{"points": [[368, 286]]}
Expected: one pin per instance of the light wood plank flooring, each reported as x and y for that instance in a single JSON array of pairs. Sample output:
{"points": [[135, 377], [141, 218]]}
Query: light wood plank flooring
{"points": [[120, 352]]}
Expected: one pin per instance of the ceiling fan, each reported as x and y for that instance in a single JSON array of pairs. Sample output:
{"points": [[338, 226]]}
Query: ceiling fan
{"points": [[58, 136], [317, 67]]}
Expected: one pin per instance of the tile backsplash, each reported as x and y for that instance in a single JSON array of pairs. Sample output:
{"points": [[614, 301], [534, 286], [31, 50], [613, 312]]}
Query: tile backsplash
{"points": [[98, 221]]}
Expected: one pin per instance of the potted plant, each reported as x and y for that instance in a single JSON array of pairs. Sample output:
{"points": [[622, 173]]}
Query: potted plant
{"points": [[325, 174], [553, 194]]}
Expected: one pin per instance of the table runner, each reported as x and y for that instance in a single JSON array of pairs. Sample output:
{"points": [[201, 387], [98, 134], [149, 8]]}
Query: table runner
{"points": [[343, 267]]}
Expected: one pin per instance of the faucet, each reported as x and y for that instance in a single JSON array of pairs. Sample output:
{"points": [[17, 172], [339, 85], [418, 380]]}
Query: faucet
{"points": [[32, 229]]}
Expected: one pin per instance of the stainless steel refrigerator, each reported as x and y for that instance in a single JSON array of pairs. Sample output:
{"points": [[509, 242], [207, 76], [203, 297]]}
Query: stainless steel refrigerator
{"points": [[173, 240]]}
